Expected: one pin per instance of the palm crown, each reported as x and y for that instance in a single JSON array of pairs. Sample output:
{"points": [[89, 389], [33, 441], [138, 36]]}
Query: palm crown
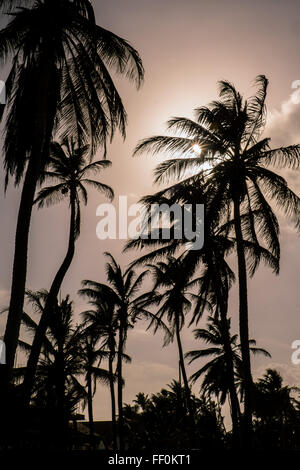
{"points": [[216, 372], [58, 40], [233, 172], [69, 169], [233, 161]]}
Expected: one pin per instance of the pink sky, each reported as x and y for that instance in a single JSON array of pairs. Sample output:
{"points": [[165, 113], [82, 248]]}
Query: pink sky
{"points": [[186, 47]]}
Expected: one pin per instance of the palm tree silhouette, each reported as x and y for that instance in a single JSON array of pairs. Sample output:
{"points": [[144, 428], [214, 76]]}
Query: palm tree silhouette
{"points": [[215, 281], [274, 401], [102, 321], [233, 168], [172, 292], [59, 82], [56, 386], [276, 412], [71, 173], [211, 287], [217, 372], [121, 291], [91, 356]]}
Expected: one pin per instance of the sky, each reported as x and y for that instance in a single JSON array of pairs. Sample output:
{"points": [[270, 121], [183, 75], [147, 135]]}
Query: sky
{"points": [[186, 47]]}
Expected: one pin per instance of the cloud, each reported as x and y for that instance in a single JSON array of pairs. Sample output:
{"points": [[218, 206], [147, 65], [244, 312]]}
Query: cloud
{"points": [[283, 124], [289, 372]]}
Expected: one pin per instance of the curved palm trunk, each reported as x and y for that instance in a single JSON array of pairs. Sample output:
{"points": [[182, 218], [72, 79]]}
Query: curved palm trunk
{"points": [[120, 384], [244, 327], [90, 409], [112, 396], [20, 263], [44, 121], [182, 367], [50, 305]]}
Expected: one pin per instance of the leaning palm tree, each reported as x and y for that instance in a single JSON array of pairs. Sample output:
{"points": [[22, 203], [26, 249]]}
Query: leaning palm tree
{"points": [[59, 83], [57, 386], [121, 291], [222, 152], [71, 174], [217, 372]]}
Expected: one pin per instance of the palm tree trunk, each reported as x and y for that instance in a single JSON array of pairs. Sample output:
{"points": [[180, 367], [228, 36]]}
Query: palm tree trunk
{"points": [[20, 263], [61, 437], [182, 366], [120, 384], [234, 402], [44, 120], [113, 399], [244, 327], [90, 409], [50, 305]]}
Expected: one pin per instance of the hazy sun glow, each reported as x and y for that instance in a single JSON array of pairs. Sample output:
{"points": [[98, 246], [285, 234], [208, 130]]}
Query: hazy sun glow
{"points": [[204, 166], [197, 149]]}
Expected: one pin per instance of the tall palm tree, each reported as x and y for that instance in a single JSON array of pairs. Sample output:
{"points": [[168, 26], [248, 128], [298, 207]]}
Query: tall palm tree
{"points": [[217, 372], [91, 356], [71, 173], [212, 285], [215, 281], [121, 291], [232, 163], [59, 82], [102, 321], [172, 292]]}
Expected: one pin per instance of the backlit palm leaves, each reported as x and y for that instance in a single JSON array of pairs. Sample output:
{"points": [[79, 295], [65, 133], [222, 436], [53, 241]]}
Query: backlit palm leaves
{"points": [[72, 174], [57, 387], [121, 293], [234, 170], [59, 83], [217, 374]]}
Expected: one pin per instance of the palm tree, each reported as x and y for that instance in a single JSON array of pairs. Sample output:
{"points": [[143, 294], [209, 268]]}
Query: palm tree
{"points": [[215, 281], [102, 321], [59, 82], [161, 421], [217, 372], [121, 291], [276, 412], [91, 357], [71, 173], [232, 165], [274, 402], [211, 287], [172, 292], [57, 386]]}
